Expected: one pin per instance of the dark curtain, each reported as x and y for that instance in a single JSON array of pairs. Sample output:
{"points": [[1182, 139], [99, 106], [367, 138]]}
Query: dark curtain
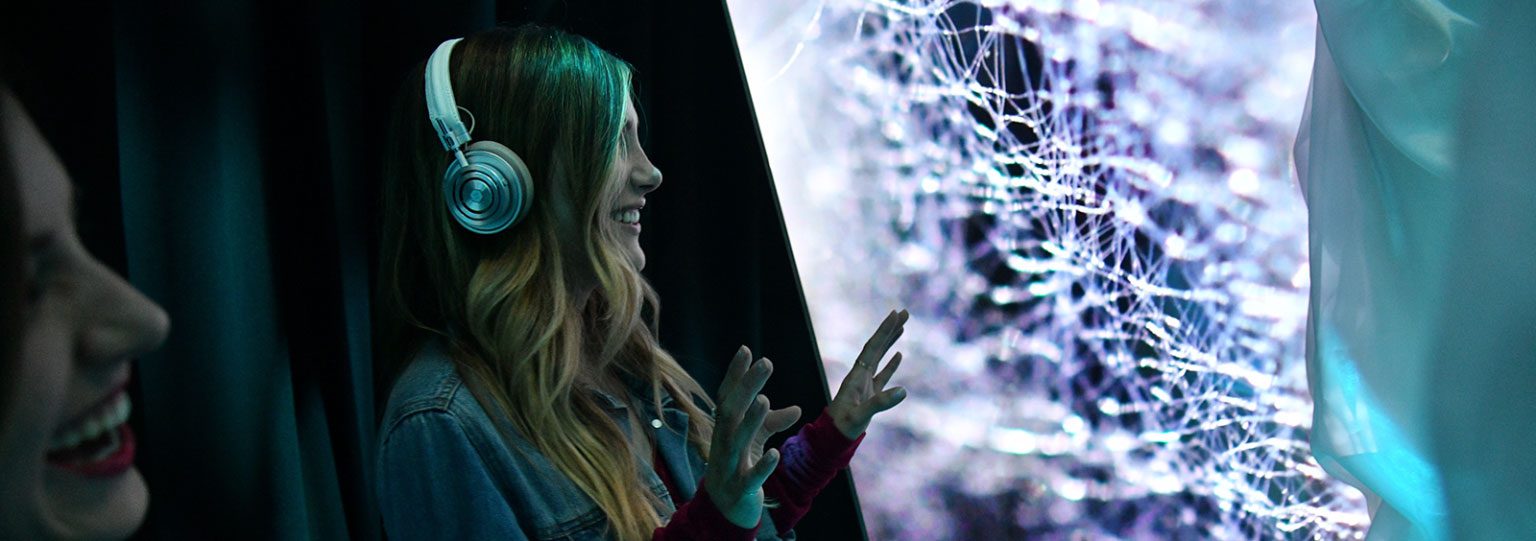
{"points": [[245, 207], [235, 142], [247, 131]]}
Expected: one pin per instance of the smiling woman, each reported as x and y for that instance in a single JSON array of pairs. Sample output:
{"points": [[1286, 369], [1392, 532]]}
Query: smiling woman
{"points": [[528, 397], [66, 451]]}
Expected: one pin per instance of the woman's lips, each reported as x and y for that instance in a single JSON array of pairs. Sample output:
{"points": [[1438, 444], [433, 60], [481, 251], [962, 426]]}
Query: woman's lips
{"points": [[629, 218], [98, 442], [110, 458]]}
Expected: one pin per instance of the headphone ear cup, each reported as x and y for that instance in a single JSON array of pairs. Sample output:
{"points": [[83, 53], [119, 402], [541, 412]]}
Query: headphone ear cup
{"points": [[492, 193]]}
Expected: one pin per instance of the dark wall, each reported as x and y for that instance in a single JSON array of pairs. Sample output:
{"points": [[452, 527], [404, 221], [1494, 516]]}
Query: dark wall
{"points": [[62, 72]]}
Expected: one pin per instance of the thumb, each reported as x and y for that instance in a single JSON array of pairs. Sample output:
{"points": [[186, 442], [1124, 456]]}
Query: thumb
{"points": [[780, 419], [885, 400]]}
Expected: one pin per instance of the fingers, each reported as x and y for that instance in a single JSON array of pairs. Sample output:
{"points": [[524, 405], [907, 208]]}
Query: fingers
{"points": [[728, 383], [881, 402], [777, 421], [747, 431], [742, 412], [885, 374], [880, 342], [877, 341], [764, 467], [733, 372], [780, 419], [736, 395], [736, 402], [728, 414], [741, 422]]}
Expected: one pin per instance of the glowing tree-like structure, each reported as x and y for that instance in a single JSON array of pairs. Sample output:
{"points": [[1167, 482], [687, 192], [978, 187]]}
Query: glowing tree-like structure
{"points": [[1086, 205]]}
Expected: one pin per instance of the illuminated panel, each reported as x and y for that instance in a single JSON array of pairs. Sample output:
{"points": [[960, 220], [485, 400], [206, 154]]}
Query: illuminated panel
{"points": [[1088, 208]]}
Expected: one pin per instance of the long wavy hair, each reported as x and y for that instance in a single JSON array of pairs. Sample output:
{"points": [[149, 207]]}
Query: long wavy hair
{"points": [[502, 304]]}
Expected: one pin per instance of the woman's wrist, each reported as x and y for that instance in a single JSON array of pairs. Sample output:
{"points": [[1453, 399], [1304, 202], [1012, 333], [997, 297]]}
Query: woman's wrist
{"points": [[713, 512]]}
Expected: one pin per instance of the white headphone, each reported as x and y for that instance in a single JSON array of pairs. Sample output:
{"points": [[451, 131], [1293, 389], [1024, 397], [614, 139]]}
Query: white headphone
{"points": [[486, 186]]}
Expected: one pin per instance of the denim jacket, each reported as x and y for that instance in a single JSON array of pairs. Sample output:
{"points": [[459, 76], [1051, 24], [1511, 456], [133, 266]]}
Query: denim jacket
{"points": [[445, 471]]}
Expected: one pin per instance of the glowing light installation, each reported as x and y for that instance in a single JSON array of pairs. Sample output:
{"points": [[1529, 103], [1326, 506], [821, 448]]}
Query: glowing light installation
{"points": [[1087, 206]]}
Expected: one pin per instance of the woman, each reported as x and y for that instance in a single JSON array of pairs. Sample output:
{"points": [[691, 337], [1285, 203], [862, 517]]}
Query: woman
{"points": [[66, 451], [528, 399]]}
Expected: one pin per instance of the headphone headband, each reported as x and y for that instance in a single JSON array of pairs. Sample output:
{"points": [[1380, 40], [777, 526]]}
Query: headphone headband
{"points": [[441, 107], [486, 187]]}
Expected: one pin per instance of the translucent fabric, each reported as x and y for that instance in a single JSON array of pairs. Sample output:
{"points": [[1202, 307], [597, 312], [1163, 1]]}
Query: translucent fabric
{"points": [[1482, 417], [1421, 228]]}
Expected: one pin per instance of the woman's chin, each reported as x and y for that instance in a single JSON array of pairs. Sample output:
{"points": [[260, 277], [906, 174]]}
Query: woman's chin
{"points": [[81, 507], [636, 257]]}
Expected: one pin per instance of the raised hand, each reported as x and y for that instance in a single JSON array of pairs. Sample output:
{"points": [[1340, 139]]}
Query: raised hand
{"points": [[775, 422], [738, 466], [863, 392]]}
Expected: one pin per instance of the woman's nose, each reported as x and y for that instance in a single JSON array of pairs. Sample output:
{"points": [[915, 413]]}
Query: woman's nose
{"points": [[119, 321], [648, 179]]}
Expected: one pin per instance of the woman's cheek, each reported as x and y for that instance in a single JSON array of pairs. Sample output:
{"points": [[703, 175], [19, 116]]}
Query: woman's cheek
{"points": [[34, 404]]}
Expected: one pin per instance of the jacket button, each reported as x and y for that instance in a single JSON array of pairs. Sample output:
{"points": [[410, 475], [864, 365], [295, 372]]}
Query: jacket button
{"points": [[655, 423]]}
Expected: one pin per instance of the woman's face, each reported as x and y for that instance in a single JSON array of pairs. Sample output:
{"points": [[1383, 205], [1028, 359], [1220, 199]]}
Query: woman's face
{"points": [[637, 177], [66, 451]]}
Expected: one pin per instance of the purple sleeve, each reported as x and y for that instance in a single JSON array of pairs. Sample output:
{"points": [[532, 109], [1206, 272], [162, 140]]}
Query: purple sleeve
{"points": [[812, 458]]}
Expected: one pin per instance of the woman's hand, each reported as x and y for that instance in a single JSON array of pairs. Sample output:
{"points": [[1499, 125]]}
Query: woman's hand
{"points": [[863, 392], [743, 423]]}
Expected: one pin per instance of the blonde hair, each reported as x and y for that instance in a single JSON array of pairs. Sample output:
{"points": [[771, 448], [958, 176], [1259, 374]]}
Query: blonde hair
{"points": [[502, 303]]}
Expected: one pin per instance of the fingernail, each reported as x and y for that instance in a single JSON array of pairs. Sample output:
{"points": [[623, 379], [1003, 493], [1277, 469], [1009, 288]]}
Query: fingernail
{"points": [[901, 392]]}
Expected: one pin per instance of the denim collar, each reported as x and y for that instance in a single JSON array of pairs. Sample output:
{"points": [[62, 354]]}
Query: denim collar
{"points": [[671, 426]]}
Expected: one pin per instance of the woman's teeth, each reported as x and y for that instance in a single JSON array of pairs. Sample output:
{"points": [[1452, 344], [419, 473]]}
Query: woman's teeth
{"points": [[105, 419], [631, 216]]}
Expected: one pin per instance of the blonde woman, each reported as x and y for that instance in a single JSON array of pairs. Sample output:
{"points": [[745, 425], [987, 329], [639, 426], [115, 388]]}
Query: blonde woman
{"points": [[528, 399]]}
